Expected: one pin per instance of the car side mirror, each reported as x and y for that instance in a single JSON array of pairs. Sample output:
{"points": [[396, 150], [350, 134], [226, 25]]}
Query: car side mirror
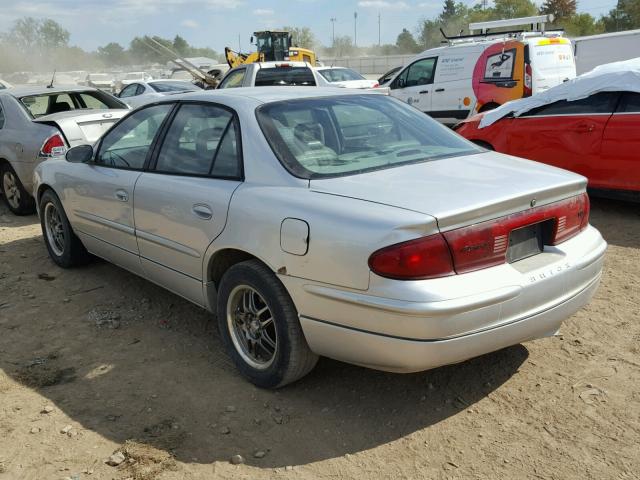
{"points": [[400, 83], [80, 154], [252, 41]]}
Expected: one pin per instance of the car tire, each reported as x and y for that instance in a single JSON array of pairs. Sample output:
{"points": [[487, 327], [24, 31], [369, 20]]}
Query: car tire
{"points": [[19, 201], [64, 247], [270, 353]]}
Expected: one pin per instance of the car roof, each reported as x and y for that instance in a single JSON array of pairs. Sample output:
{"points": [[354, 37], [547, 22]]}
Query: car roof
{"points": [[24, 91], [259, 95]]}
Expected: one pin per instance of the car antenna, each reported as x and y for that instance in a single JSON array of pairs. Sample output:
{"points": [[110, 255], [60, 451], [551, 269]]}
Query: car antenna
{"points": [[52, 79]]}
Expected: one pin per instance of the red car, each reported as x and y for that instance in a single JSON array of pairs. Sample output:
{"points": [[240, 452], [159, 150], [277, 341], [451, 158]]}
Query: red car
{"points": [[598, 137]]}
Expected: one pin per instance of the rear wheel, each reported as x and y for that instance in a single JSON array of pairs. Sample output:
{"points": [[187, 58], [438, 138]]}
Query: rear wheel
{"points": [[15, 196], [259, 326], [64, 247]]}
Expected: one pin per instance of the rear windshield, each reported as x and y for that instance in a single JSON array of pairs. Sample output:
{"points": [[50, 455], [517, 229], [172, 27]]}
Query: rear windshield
{"points": [[340, 75], [267, 77], [47, 104], [551, 58], [346, 135], [164, 87]]}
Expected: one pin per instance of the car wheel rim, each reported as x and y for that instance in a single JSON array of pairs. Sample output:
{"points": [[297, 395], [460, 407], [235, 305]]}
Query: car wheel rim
{"points": [[11, 190], [54, 229], [252, 327]]}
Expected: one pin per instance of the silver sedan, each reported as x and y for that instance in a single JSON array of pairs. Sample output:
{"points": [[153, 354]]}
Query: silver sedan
{"points": [[322, 222]]}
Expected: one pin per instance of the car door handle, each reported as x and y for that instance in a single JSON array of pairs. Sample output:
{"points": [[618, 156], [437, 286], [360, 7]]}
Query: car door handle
{"points": [[422, 92], [122, 195], [585, 127], [202, 211], [439, 89]]}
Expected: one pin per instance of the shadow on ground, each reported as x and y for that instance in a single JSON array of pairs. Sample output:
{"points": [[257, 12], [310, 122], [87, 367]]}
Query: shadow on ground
{"points": [[129, 360]]}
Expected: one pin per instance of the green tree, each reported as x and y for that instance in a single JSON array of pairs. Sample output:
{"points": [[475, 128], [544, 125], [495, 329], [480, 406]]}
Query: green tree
{"points": [[514, 8], [112, 54], [181, 46], [52, 35], [582, 24], [302, 37], [406, 43], [560, 9], [626, 16]]}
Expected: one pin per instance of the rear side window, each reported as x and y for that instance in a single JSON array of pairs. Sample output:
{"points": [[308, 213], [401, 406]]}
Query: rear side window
{"points": [[602, 102], [500, 66], [127, 144], [201, 140], [630, 102], [233, 79], [267, 77]]}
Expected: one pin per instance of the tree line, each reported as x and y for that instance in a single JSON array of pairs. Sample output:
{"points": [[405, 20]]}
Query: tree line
{"points": [[43, 45]]}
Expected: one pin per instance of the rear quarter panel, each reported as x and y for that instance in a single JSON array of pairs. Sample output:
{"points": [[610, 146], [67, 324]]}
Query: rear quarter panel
{"points": [[343, 232]]}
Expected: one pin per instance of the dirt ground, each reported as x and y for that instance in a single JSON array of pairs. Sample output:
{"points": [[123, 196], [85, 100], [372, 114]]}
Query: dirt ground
{"points": [[96, 360]]}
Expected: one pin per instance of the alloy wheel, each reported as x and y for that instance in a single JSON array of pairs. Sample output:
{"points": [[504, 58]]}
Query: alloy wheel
{"points": [[11, 189], [252, 327], [54, 229]]}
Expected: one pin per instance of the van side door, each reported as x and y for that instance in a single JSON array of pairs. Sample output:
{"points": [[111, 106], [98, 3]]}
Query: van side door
{"points": [[414, 84]]}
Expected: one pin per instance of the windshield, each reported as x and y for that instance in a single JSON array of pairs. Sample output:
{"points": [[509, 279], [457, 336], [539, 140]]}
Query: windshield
{"points": [[280, 76], [340, 75], [346, 135], [47, 104], [164, 87]]}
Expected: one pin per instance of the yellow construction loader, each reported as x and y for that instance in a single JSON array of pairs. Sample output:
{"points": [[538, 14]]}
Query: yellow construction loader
{"points": [[273, 46]]}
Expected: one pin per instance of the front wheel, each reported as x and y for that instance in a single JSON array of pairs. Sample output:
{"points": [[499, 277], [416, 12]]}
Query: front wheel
{"points": [[16, 197], [259, 326], [64, 247]]}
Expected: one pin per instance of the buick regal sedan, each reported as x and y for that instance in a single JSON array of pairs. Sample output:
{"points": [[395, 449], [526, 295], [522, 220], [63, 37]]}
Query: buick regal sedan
{"points": [[322, 222]]}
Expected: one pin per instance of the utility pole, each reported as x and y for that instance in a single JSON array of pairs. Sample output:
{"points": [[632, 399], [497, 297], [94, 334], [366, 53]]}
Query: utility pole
{"points": [[333, 31], [379, 43], [355, 29], [239, 45]]}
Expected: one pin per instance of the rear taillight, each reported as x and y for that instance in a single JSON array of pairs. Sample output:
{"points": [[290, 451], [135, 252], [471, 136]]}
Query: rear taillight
{"points": [[478, 246], [375, 85], [528, 80], [53, 146], [426, 257]]}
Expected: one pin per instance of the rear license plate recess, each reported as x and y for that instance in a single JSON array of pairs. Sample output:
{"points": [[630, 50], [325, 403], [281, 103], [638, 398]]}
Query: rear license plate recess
{"points": [[526, 241]]}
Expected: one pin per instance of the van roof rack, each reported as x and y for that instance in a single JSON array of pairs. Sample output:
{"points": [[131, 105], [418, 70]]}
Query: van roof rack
{"points": [[537, 22], [537, 28]]}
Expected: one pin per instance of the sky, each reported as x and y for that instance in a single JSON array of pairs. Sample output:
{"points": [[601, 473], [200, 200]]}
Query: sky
{"points": [[220, 23]]}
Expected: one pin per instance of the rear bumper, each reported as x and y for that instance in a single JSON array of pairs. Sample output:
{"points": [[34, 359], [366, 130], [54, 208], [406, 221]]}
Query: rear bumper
{"points": [[403, 355], [417, 325]]}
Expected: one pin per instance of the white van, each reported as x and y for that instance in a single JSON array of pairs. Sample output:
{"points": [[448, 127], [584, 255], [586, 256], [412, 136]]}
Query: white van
{"points": [[479, 72]]}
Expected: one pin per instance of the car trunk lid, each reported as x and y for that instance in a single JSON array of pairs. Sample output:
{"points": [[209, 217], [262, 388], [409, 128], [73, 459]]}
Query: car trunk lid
{"points": [[460, 191], [83, 126]]}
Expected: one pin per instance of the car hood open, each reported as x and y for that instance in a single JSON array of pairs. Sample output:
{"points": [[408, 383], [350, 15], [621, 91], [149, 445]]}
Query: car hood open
{"points": [[459, 191]]}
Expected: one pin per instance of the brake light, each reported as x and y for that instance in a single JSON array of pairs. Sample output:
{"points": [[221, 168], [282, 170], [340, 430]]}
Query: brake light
{"points": [[478, 246], [420, 259], [485, 244], [53, 146], [528, 80], [376, 85]]}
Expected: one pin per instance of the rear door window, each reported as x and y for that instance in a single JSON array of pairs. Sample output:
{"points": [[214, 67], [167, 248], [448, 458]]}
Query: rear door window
{"points": [[281, 76], [629, 103], [597, 103], [200, 141]]}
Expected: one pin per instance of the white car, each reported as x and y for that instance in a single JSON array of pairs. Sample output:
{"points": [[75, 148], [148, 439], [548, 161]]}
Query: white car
{"points": [[139, 93], [321, 221], [344, 78], [133, 77]]}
